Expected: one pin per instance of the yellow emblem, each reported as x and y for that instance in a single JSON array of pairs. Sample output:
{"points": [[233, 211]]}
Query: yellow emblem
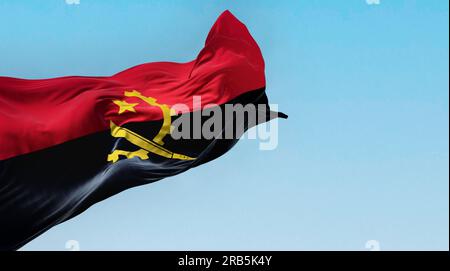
{"points": [[154, 145], [124, 106]]}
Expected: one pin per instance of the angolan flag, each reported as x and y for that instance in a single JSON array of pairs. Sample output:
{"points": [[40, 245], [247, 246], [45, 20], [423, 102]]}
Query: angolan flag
{"points": [[67, 143]]}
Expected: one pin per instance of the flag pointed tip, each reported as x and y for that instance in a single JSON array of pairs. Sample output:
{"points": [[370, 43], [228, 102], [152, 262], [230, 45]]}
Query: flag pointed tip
{"points": [[282, 115], [227, 16], [227, 12], [228, 25], [275, 114]]}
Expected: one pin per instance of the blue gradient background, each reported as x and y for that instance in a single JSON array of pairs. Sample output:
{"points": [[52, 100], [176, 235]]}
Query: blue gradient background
{"points": [[363, 155]]}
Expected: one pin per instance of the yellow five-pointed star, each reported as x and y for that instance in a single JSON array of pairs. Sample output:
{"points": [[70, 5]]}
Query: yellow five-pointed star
{"points": [[124, 106]]}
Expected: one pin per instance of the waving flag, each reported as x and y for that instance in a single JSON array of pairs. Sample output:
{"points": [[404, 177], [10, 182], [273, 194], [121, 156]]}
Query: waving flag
{"points": [[67, 143]]}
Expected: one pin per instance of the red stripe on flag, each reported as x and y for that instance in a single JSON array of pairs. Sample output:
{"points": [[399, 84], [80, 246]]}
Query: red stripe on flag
{"points": [[36, 114]]}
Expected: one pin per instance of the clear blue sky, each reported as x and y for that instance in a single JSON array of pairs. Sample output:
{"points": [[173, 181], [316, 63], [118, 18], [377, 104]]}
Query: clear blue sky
{"points": [[363, 155]]}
